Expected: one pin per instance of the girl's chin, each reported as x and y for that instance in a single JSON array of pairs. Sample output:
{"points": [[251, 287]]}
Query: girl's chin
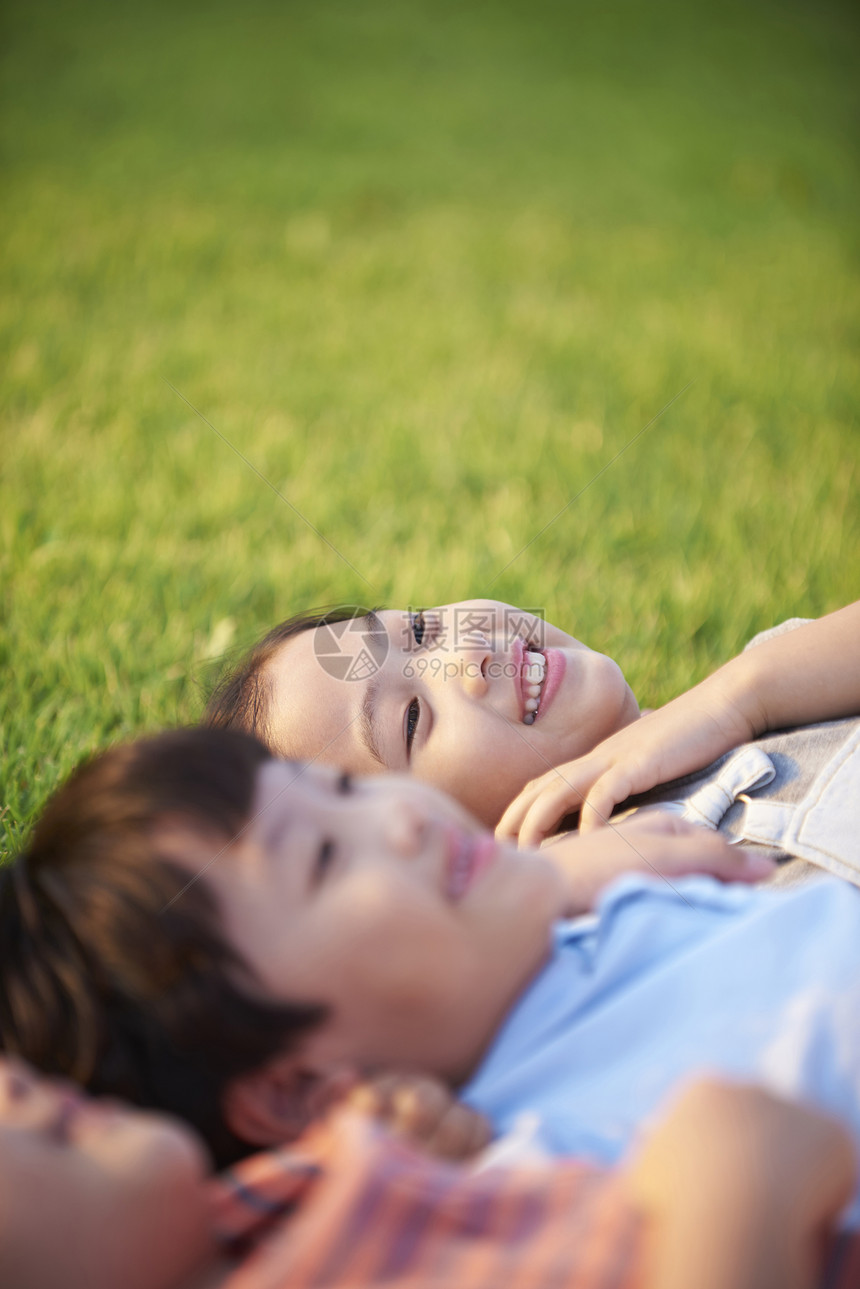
{"points": [[630, 712]]}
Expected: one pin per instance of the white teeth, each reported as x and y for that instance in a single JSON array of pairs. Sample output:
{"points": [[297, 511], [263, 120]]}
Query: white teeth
{"points": [[534, 673], [535, 669]]}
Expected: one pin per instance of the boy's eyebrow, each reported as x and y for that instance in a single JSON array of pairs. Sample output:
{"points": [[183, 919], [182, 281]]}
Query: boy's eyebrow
{"points": [[367, 723]]}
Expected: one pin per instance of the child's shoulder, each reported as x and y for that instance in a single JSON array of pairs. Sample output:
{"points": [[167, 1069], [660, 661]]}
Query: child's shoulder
{"points": [[641, 919]]}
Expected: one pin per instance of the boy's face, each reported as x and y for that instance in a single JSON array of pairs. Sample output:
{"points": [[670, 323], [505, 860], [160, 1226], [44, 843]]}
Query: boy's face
{"points": [[94, 1195], [384, 901], [447, 703]]}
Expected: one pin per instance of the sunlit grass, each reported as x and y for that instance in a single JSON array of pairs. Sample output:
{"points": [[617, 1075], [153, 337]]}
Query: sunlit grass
{"points": [[430, 269]]}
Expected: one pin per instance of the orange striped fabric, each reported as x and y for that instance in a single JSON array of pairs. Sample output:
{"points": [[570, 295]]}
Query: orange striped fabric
{"points": [[351, 1208]]}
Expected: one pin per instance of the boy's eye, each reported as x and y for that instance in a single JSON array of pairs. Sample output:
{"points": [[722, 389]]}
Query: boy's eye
{"points": [[325, 855], [418, 627], [413, 715]]}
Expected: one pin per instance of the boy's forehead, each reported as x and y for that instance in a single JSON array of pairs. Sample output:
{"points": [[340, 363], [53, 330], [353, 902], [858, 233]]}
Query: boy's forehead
{"points": [[283, 787]]}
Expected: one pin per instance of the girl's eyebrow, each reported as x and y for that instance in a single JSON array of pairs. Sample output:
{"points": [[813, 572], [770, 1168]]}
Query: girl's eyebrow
{"points": [[367, 719], [374, 625], [368, 724]]}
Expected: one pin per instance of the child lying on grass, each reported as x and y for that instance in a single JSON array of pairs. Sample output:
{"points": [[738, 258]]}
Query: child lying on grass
{"points": [[522, 723], [734, 1190], [205, 929], [120, 968]]}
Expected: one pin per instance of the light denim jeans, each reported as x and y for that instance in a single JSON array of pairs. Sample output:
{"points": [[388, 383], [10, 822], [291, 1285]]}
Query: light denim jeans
{"points": [[794, 793]]}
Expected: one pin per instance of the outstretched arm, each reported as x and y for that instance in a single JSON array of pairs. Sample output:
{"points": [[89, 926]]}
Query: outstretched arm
{"points": [[654, 844], [739, 1189], [806, 675]]}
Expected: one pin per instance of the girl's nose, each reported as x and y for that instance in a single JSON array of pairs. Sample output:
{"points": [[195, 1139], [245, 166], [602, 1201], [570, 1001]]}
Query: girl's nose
{"points": [[476, 654]]}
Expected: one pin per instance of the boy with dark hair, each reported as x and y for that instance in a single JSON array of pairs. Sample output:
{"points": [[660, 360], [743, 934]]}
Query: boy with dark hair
{"points": [[121, 962], [112, 979], [383, 928]]}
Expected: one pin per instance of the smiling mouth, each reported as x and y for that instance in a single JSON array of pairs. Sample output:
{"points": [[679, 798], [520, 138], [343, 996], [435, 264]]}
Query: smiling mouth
{"points": [[467, 859], [534, 675]]}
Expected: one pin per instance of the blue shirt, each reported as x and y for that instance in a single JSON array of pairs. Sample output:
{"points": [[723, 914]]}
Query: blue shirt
{"points": [[667, 980]]}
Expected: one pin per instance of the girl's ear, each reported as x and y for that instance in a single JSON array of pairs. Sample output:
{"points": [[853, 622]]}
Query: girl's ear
{"points": [[276, 1103]]}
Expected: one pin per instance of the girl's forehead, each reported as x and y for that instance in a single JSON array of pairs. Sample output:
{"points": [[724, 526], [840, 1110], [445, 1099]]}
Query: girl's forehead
{"points": [[310, 708]]}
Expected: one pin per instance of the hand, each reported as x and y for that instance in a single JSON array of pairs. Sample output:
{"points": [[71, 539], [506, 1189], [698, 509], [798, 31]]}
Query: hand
{"points": [[654, 843], [684, 736], [739, 1188], [424, 1112]]}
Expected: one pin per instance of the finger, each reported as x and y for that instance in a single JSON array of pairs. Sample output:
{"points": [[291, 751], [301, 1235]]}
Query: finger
{"points": [[508, 827], [547, 812], [406, 1103], [460, 1133], [376, 1096], [656, 821], [603, 796], [661, 821], [707, 853], [742, 865], [510, 823], [367, 1099], [418, 1106]]}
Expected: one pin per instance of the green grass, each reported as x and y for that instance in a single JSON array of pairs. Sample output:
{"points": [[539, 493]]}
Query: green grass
{"points": [[429, 267]]}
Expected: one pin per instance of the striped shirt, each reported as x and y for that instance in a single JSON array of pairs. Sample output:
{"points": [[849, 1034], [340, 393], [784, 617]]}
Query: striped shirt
{"points": [[354, 1207]]}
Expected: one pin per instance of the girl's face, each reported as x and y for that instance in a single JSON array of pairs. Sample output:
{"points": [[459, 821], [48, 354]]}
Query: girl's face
{"points": [[386, 902], [451, 696], [94, 1195]]}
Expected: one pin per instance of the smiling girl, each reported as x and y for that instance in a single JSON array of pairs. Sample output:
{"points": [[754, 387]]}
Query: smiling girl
{"points": [[524, 724], [475, 698]]}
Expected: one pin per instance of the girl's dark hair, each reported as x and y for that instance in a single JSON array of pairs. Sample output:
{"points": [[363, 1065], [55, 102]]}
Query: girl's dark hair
{"points": [[242, 699], [115, 968]]}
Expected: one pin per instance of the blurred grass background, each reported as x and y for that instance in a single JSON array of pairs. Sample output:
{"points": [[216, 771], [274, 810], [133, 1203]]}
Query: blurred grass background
{"points": [[429, 267]]}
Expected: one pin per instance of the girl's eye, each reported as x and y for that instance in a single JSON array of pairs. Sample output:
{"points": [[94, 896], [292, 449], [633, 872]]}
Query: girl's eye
{"points": [[418, 627], [323, 861], [413, 715]]}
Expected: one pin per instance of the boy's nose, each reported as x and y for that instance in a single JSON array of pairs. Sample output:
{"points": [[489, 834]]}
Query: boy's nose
{"points": [[404, 827]]}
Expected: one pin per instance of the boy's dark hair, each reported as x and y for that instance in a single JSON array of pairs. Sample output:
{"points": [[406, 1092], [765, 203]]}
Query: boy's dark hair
{"points": [[115, 969], [242, 698]]}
